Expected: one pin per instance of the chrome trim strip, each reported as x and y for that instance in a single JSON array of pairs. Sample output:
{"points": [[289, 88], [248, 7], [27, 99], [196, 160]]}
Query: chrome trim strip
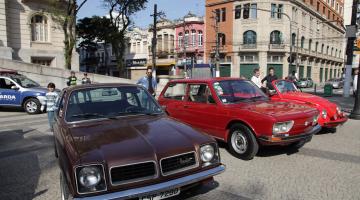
{"points": [[77, 188], [156, 188], [137, 179], [183, 169]]}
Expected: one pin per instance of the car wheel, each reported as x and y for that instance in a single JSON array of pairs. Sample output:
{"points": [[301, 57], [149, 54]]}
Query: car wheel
{"points": [[64, 190], [32, 106], [242, 143]]}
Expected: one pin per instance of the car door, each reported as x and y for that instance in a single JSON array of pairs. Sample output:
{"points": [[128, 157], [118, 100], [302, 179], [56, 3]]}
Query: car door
{"points": [[9, 96], [172, 100], [201, 110]]}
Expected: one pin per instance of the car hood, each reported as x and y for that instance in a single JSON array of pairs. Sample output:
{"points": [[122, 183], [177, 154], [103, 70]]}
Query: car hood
{"points": [[134, 139], [279, 110], [41, 90], [308, 98]]}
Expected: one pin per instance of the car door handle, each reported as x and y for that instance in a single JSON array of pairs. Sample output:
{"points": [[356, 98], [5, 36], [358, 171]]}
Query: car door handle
{"points": [[186, 106]]}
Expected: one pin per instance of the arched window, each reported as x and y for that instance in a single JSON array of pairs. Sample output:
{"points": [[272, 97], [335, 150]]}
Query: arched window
{"points": [[332, 51], [336, 53], [327, 50], [222, 39], [275, 37], [39, 28], [200, 38], [180, 40], [302, 41], [186, 38], [293, 39], [322, 48], [316, 46], [193, 38], [249, 37], [310, 43], [340, 56]]}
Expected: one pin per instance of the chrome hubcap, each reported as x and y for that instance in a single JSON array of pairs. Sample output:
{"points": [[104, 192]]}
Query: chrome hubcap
{"points": [[31, 106], [239, 142]]}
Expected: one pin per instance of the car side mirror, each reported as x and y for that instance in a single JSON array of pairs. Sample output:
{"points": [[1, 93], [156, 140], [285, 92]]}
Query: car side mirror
{"points": [[14, 87], [272, 92]]}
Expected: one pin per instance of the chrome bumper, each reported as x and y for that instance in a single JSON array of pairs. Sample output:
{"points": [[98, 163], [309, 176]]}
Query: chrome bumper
{"points": [[153, 189]]}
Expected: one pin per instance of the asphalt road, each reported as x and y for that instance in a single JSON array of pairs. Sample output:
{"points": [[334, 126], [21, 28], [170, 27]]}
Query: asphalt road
{"points": [[326, 168]]}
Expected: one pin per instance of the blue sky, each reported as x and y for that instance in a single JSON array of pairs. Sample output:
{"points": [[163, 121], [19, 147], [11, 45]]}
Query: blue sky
{"points": [[172, 8]]}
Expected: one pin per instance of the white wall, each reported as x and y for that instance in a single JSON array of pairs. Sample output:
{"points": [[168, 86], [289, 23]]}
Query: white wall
{"points": [[44, 75]]}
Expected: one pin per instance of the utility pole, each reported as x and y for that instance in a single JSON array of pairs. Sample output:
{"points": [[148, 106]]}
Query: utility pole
{"points": [[185, 42], [155, 15], [217, 48], [355, 113], [350, 50], [297, 53]]}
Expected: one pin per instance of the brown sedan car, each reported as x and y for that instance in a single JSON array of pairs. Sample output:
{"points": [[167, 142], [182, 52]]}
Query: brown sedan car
{"points": [[113, 141]]}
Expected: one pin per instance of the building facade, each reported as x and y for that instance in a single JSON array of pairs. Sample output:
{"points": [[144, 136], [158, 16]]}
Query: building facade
{"points": [[189, 41], [265, 33], [165, 56], [29, 33]]}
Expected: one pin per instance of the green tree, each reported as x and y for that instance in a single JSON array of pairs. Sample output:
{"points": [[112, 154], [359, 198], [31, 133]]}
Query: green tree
{"points": [[64, 12], [95, 30], [120, 12]]}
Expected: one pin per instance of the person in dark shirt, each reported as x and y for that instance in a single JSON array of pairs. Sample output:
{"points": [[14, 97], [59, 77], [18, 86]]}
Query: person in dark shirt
{"points": [[270, 78]]}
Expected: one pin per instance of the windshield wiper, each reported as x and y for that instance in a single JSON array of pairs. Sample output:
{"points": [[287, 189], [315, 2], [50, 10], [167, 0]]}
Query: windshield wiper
{"points": [[92, 115], [141, 112]]}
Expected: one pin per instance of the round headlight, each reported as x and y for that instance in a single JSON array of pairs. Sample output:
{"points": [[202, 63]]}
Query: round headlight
{"points": [[207, 153], [324, 114], [89, 176], [338, 110]]}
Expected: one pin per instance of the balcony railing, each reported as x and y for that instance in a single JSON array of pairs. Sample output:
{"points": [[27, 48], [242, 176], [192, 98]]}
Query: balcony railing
{"points": [[277, 46], [248, 46]]}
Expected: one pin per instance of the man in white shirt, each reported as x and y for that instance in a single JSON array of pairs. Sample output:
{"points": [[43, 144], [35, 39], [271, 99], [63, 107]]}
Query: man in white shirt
{"points": [[356, 74], [256, 78]]}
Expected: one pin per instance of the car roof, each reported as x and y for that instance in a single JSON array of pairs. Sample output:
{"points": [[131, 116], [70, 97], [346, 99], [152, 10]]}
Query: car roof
{"points": [[206, 80], [97, 85]]}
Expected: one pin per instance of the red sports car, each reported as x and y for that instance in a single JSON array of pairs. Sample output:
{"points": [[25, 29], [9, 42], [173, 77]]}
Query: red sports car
{"points": [[239, 113], [331, 115]]}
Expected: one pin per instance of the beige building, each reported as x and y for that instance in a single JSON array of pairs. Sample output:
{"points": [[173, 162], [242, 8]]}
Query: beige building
{"points": [[28, 33], [165, 57], [262, 33]]}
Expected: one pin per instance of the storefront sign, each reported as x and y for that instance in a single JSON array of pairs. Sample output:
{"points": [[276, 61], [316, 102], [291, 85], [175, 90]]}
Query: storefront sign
{"points": [[136, 62]]}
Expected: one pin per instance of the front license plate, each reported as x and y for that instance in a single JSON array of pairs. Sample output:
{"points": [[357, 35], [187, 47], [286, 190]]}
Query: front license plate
{"points": [[162, 195]]}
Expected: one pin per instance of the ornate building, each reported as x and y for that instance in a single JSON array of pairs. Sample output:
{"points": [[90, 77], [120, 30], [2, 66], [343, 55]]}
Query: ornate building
{"points": [[29, 33]]}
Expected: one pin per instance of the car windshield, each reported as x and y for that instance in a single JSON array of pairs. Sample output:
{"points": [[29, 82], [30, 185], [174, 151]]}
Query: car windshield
{"points": [[303, 79], [110, 103], [233, 91], [25, 82], [286, 86]]}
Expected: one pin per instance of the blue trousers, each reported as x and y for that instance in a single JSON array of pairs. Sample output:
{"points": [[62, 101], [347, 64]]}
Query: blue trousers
{"points": [[51, 119]]}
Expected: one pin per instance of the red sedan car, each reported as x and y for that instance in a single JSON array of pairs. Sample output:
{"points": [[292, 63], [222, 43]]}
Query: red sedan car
{"points": [[239, 113], [331, 115]]}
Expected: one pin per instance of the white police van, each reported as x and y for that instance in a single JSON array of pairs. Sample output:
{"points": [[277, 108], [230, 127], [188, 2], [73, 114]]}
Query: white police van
{"points": [[19, 91]]}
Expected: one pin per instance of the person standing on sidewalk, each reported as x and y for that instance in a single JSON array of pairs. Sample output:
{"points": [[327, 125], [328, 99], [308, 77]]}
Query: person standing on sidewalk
{"points": [[50, 101], [85, 79], [356, 74], [256, 78], [72, 80], [149, 82]]}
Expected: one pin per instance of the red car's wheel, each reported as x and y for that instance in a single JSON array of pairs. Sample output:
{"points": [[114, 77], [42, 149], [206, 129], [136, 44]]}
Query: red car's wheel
{"points": [[242, 143]]}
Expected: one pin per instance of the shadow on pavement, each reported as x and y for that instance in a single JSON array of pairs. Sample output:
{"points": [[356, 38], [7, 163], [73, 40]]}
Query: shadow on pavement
{"points": [[267, 151], [196, 191], [19, 163], [12, 109]]}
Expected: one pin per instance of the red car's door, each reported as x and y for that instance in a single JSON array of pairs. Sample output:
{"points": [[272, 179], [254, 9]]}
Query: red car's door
{"points": [[172, 100], [201, 110]]}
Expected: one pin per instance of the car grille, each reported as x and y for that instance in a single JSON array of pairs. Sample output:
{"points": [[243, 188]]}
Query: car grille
{"points": [[178, 163], [133, 173]]}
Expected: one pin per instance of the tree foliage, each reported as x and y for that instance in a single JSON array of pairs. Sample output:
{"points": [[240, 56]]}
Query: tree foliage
{"points": [[64, 12], [120, 12]]}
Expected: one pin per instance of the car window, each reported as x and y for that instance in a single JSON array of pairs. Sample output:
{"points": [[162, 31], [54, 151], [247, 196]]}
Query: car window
{"points": [[286, 86], [109, 102], [232, 91], [5, 83], [200, 93], [175, 91]]}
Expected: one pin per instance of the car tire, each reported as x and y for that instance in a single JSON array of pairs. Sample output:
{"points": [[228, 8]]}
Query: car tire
{"points": [[242, 142], [32, 106], [64, 190]]}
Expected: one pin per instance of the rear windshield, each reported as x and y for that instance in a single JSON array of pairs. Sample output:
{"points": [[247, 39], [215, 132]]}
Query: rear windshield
{"points": [[110, 102]]}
